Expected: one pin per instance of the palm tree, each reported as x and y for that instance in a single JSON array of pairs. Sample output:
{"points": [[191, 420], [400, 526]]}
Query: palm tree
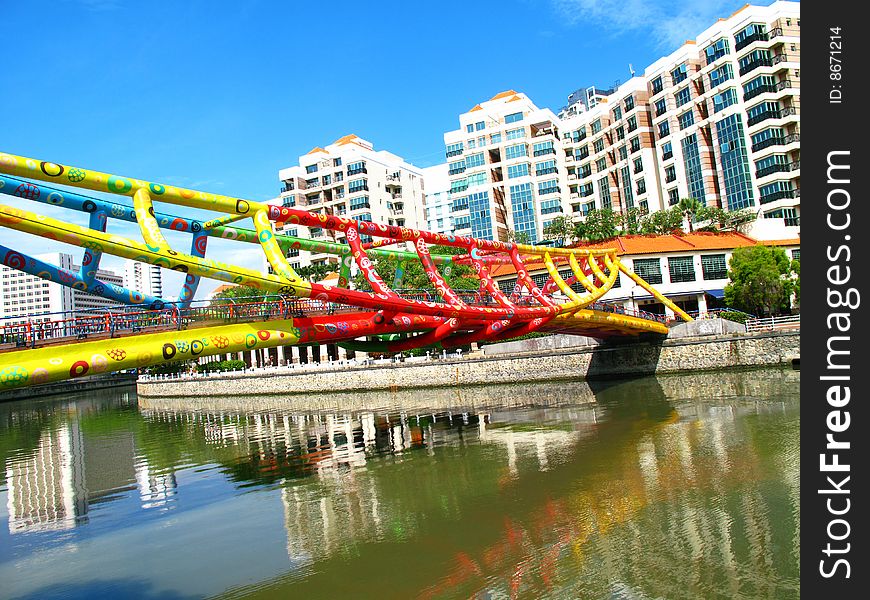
{"points": [[690, 207]]}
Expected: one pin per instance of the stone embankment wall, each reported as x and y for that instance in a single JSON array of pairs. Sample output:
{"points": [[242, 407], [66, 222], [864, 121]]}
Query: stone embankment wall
{"points": [[682, 355]]}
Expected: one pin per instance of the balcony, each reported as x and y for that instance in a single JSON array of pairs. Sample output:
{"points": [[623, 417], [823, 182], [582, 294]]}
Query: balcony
{"points": [[755, 64], [456, 171], [776, 141], [544, 152], [778, 59], [782, 168], [356, 171], [569, 158], [354, 190], [549, 190], [549, 170], [393, 177], [755, 37], [767, 89], [779, 195], [453, 153], [792, 221], [771, 114], [583, 154]]}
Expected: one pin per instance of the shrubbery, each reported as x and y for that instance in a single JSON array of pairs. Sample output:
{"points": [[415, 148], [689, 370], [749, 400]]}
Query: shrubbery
{"points": [[221, 366]]}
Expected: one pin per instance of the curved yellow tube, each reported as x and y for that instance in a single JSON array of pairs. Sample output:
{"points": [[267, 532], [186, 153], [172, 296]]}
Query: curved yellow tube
{"points": [[272, 249], [77, 235]]}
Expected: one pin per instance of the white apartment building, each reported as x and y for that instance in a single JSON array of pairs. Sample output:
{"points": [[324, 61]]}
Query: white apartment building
{"points": [[506, 172], [144, 278], [23, 295], [717, 120], [609, 152], [726, 117], [349, 178], [439, 218]]}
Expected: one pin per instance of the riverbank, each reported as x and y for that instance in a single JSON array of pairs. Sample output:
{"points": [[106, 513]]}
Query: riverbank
{"points": [[70, 386], [685, 355]]}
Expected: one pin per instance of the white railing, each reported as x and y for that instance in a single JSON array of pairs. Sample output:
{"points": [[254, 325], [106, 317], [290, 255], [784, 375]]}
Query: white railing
{"points": [[774, 323]]}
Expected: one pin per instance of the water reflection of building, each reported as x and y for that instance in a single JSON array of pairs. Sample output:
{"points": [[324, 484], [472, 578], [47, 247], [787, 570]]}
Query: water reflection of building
{"points": [[46, 490], [53, 486]]}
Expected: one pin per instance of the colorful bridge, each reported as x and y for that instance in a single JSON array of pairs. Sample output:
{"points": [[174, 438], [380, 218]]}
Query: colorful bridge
{"points": [[302, 312]]}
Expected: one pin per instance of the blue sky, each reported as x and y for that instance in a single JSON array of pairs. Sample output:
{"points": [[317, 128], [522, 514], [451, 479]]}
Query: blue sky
{"points": [[218, 95]]}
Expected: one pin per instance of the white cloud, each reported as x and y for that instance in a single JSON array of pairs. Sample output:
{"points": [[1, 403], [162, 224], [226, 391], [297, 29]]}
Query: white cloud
{"points": [[668, 23]]}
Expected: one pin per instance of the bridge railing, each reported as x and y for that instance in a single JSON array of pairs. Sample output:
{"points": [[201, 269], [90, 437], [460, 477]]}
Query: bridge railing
{"points": [[18, 332], [774, 323]]}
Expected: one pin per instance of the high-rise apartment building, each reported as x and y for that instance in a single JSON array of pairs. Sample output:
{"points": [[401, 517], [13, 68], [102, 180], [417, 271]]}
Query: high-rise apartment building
{"points": [[349, 178], [144, 278], [505, 171], [439, 218], [717, 120], [726, 116], [23, 295]]}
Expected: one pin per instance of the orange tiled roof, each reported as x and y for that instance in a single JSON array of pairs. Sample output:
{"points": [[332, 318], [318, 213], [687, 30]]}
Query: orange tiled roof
{"points": [[315, 150], [663, 244], [514, 98], [476, 107], [501, 95], [347, 139]]}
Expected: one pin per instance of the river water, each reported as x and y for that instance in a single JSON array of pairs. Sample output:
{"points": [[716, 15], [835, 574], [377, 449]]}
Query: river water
{"points": [[659, 487]]}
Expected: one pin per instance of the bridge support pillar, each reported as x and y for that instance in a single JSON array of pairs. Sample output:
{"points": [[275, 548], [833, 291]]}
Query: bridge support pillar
{"points": [[281, 359], [702, 304], [294, 353], [342, 353]]}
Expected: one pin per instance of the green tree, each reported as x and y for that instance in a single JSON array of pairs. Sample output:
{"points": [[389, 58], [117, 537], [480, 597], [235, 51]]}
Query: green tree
{"points": [[600, 224], [561, 228], [519, 237], [631, 220], [690, 207], [761, 280], [796, 269], [458, 277], [238, 292], [317, 271], [662, 222]]}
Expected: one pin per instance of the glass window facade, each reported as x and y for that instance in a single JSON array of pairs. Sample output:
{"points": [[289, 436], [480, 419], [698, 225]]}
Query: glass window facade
{"points": [[551, 206], [627, 188], [716, 50], [454, 149], [681, 268], [515, 151], [692, 161], [721, 75], [649, 269], [545, 167], [518, 170], [687, 119], [724, 100], [664, 129], [515, 134], [713, 267], [523, 211], [474, 160], [477, 179], [550, 186], [683, 96], [604, 193], [734, 162], [679, 74], [481, 222], [513, 118], [356, 185]]}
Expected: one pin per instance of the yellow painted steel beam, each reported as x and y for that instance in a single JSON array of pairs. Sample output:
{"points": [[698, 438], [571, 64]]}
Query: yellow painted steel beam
{"points": [[656, 294], [76, 235], [272, 249], [126, 186], [626, 323], [56, 363], [144, 211], [224, 220]]}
